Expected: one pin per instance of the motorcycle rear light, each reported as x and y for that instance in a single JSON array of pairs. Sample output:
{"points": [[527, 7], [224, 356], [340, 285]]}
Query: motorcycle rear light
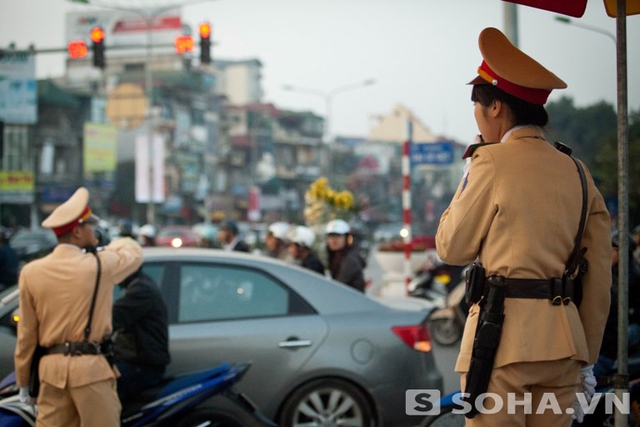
{"points": [[415, 336]]}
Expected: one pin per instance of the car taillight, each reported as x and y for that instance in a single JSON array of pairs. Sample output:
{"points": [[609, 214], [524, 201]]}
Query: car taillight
{"points": [[415, 336]]}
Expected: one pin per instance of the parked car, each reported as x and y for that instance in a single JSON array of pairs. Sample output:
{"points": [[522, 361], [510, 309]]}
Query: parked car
{"points": [[320, 351], [177, 236], [31, 244]]}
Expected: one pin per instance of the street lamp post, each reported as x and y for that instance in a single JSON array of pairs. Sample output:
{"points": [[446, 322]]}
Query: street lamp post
{"points": [[328, 101]]}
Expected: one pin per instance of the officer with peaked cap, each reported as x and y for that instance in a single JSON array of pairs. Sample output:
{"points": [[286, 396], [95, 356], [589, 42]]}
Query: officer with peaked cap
{"points": [[517, 211], [77, 383]]}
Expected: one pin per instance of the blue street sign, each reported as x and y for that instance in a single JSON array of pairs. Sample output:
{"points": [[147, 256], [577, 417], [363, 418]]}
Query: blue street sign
{"points": [[431, 153]]}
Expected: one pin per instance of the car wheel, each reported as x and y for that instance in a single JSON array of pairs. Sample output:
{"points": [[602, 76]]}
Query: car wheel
{"points": [[219, 412], [445, 331], [327, 402]]}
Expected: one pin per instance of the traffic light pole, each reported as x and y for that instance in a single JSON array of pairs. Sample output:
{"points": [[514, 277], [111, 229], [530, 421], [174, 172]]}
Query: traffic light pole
{"points": [[148, 83]]}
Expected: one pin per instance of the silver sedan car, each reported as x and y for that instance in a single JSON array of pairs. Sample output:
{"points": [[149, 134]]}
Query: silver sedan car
{"points": [[322, 354]]}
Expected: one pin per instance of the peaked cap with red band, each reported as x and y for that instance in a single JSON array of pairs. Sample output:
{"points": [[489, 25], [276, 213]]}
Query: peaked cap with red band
{"points": [[512, 70], [71, 213]]}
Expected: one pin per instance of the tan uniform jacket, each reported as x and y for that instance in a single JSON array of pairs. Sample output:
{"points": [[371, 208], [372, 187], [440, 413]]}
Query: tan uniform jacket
{"points": [[55, 296], [519, 212]]}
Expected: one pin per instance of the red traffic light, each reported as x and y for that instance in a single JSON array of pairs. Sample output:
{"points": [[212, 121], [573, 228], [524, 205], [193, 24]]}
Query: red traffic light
{"points": [[77, 49], [205, 30], [97, 35], [183, 44]]}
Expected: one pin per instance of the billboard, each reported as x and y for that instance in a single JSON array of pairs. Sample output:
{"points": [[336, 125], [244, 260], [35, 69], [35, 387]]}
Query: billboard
{"points": [[100, 148], [149, 169], [126, 28], [17, 187], [18, 88]]}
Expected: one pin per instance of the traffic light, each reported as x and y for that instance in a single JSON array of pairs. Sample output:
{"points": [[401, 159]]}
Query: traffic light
{"points": [[205, 43], [97, 37], [183, 44], [77, 49]]}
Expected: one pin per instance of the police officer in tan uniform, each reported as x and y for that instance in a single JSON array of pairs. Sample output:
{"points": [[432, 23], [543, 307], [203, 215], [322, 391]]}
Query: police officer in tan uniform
{"points": [[77, 387], [517, 211]]}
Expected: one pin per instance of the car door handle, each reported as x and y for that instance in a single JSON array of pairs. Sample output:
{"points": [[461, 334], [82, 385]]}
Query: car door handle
{"points": [[294, 343]]}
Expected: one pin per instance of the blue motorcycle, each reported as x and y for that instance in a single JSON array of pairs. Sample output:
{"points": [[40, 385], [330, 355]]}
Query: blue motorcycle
{"points": [[205, 398], [600, 416]]}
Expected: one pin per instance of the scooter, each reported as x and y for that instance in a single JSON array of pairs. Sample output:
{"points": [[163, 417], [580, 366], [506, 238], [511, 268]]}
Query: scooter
{"points": [[447, 323], [434, 282], [204, 398]]}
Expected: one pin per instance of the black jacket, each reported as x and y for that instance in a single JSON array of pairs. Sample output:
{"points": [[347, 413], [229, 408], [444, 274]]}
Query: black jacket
{"points": [[347, 267], [609, 346], [312, 262], [143, 312], [241, 246]]}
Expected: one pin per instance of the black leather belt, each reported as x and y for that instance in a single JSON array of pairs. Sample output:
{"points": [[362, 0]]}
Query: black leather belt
{"points": [[557, 290], [71, 348]]}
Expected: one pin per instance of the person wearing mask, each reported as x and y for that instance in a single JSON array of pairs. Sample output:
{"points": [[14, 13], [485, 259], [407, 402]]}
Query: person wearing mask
{"points": [[9, 261], [141, 335], [518, 211], [344, 262], [147, 235], [77, 383], [228, 235], [276, 241], [301, 241]]}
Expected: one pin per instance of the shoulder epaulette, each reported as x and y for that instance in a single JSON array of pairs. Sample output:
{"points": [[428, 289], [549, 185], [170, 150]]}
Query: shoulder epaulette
{"points": [[473, 147]]}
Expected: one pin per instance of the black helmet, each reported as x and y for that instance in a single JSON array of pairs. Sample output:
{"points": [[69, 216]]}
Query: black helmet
{"points": [[615, 239], [126, 229], [231, 226]]}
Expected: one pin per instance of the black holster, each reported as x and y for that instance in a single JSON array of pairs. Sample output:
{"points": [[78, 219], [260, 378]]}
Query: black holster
{"points": [[475, 278], [34, 373], [107, 348], [486, 342]]}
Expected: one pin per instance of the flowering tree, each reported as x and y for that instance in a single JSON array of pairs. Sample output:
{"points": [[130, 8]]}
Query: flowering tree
{"points": [[322, 204]]}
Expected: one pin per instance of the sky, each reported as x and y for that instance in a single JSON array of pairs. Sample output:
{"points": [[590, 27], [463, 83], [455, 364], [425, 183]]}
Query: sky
{"points": [[421, 53]]}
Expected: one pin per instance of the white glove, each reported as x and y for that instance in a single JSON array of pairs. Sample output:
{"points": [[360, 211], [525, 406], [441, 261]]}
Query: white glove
{"points": [[24, 397], [589, 382], [587, 387], [578, 412]]}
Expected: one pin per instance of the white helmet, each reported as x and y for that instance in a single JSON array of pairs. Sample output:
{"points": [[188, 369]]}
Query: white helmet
{"points": [[302, 235], [279, 230], [338, 226], [147, 230]]}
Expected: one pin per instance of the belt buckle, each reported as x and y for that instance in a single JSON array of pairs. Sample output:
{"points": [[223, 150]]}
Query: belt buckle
{"points": [[67, 348]]}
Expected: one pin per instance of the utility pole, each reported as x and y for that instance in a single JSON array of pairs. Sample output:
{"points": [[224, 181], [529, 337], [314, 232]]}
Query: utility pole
{"points": [[511, 22]]}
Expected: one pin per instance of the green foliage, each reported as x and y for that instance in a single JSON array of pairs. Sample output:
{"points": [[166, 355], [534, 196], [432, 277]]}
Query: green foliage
{"points": [[606, 167], [582, 129], [592, 134]]}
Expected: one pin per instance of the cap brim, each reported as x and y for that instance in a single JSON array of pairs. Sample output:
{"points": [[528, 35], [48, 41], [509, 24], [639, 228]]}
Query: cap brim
{"points": [[478, 81]]}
